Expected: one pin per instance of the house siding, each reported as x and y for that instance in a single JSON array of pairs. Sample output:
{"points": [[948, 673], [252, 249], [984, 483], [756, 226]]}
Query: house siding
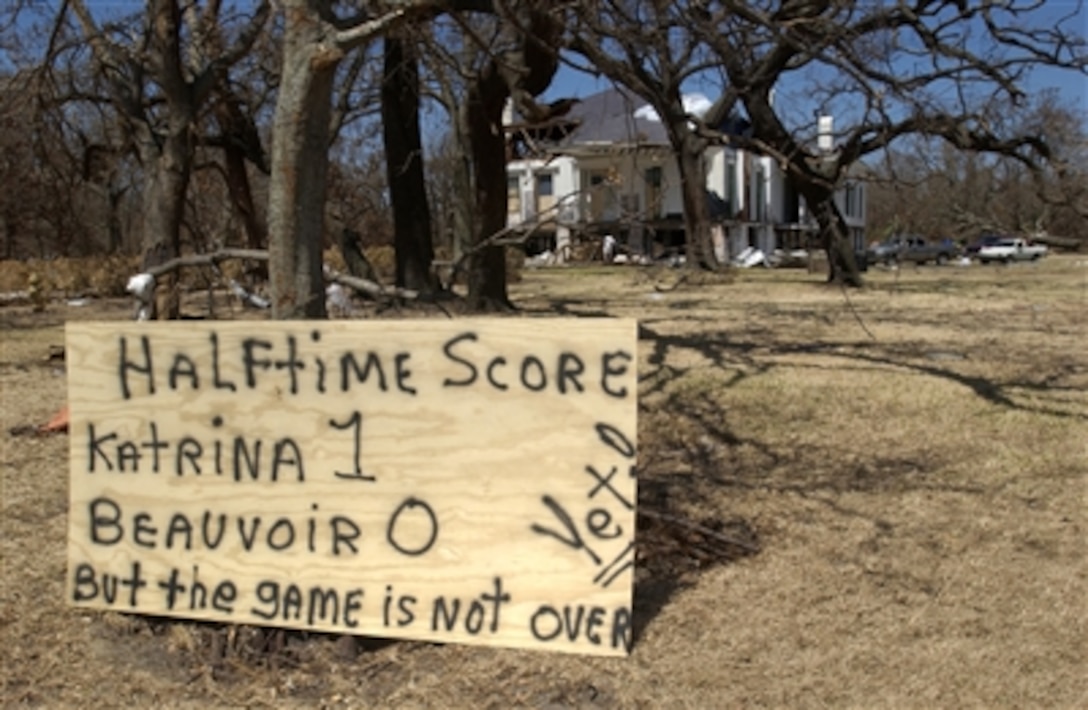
{"points": [[632, 188]]}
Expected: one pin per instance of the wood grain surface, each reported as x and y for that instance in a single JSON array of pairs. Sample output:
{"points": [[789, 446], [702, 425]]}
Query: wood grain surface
{"points": [[468, 481]]}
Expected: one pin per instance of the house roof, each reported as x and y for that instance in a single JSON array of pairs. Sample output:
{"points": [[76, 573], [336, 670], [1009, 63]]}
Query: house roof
{"points": [[605, 121], [610, 117], [610, 120]]}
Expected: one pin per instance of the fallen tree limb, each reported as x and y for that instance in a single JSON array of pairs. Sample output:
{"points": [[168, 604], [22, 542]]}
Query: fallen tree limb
{"points": [[142, 286], [701, 529], [213, 257], [512, 235], [370, 288]]}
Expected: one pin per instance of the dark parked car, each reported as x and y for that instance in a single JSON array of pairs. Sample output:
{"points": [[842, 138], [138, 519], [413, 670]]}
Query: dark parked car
{"points": [[907, 247], [986, 240]]}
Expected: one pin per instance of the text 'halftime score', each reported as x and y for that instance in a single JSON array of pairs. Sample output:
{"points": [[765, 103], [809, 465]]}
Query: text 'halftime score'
{"points": [[469, 481]]}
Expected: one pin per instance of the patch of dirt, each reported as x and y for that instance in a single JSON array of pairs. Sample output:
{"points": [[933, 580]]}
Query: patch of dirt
{"points": [[830, 514]]}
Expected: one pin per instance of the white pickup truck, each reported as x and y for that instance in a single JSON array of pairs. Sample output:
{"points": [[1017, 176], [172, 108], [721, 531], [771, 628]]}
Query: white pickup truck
{"points": [[1008, 250]]}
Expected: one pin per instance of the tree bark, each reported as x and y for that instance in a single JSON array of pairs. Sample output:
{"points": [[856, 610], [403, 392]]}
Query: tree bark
{"points": [[842, 263], [523, 72], [313, 48], [486, 271], [241, 143], [835, 235], [300, 144], [354, 258], [167, 168], [404, 166], [241, 196], [689, 159]]}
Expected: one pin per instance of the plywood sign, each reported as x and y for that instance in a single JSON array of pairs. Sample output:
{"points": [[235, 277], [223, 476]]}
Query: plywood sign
{"points": [[469, 481]]}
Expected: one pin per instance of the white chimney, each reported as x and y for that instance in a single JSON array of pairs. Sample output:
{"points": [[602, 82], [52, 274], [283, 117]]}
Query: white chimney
{"points": [[508, 112], [825, 140]]}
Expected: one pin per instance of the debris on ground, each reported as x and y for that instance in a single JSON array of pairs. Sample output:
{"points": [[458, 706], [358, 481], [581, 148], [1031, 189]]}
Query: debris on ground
{"points": [[57, 424]]}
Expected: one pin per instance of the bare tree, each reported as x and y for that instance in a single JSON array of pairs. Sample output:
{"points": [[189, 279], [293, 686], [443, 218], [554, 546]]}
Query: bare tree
{"points": [[1057, 200], [450, 61], [929, 187], [25, 166], [937, 68], [404, 163], [62, 168], [315, 42], [522, 60], [158, 95], [649, 49], [231, 124]]}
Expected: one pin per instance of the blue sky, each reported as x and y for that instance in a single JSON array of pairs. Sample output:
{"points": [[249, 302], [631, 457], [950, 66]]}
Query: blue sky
{"points": [[1072, 86]]}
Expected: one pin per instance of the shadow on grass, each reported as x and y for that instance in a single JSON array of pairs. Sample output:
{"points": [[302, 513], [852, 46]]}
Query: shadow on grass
{"points": [[696, 453], [674, 548], [995, 392], [725, 352], [568, 307]]}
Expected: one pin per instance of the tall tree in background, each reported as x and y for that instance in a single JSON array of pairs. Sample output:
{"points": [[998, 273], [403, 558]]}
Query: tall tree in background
{"points": [[450, 61], [315, 42], [1063, 188], [237, 134], [158, 96], [521, 66], [404, 163], [649, 49], [937, 68], [52, 166], [929, 187]]}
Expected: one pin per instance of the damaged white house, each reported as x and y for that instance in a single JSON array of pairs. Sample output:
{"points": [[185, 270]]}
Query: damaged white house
{"points": [[604, 166]]}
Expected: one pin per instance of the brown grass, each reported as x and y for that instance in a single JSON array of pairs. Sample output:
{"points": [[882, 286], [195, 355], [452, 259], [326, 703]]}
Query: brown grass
{"points": [[107, 276], [913, 461]]}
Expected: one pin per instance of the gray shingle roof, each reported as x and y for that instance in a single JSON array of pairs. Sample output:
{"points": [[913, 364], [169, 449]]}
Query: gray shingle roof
{"points": [[609, 117]]}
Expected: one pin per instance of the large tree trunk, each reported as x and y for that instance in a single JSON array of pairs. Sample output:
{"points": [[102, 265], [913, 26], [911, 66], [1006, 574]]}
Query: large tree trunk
{"points": [[167, 169], [815, 180], [524, 73], [242, 144], [689, 158], [486, 265], [241, 196], [483, 118], [167, 158], [404, 166], [835, 235], [297, 189]]}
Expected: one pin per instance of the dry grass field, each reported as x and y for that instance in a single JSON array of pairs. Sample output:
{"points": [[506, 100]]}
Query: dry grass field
{"points": [[911, 460]]}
